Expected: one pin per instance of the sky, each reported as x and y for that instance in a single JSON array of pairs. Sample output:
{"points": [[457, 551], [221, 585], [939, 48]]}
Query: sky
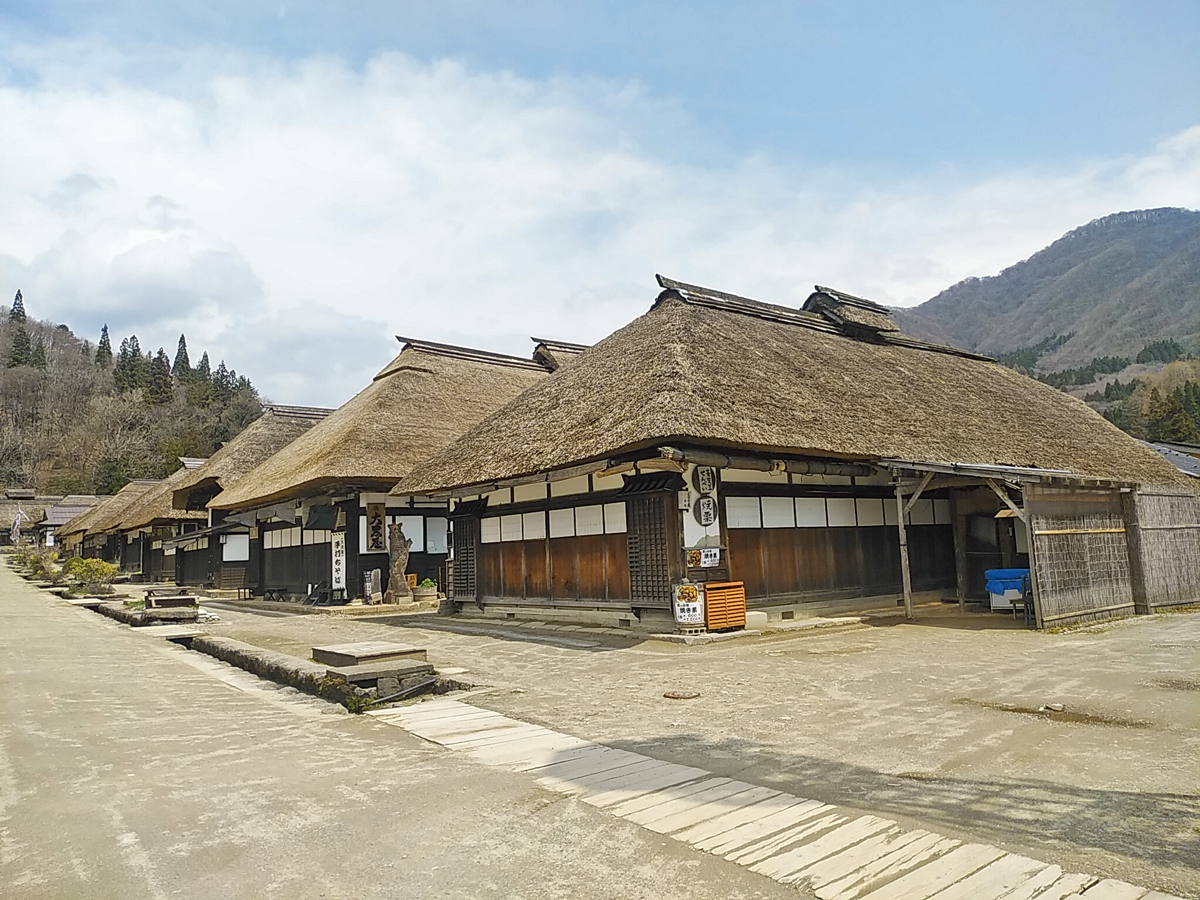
{"points": [[293, 184]]}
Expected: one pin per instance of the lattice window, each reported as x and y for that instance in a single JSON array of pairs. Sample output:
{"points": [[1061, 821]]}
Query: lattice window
{"points": [[466, 538], [649, 567]]}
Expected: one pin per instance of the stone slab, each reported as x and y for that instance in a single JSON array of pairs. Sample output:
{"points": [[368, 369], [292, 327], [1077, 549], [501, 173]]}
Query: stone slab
{"points": [[363, 652], [403, 668]]}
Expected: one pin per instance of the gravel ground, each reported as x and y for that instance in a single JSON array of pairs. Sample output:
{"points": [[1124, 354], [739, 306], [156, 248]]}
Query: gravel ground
{"points": [[937, 723]]}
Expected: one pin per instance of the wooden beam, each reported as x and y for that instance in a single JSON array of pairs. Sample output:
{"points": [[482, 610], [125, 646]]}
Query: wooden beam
{"points": [[1003, 495], [904, 573], [916, 494], [960, 550]]}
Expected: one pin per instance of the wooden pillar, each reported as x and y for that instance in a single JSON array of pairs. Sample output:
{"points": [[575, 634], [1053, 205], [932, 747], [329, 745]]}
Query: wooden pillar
{"points": [[1031, 530], [960, 549], [904, 573], [1133, 543]]}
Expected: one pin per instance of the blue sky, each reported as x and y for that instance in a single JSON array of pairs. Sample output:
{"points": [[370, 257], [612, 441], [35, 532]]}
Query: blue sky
{"points": [[293, 182]]}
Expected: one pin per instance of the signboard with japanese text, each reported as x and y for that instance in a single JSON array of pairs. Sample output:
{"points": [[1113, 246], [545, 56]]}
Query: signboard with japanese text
{"points": [[710, 557], [337, 544], [704, 479], [689, 604], [705, 510], [376, 528]]}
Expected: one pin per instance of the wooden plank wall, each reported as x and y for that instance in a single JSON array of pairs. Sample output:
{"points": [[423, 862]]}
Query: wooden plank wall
{"points": [[787, 564], [585, 570]]}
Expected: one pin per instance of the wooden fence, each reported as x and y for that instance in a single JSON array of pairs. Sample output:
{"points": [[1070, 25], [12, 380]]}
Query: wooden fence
{"points": [[1080, 558], [1164, 542]]}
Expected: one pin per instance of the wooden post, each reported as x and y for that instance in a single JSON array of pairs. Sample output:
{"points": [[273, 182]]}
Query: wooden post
{"points": [[1133, 543], [904, 573], [1031, 529], [960, 550]]}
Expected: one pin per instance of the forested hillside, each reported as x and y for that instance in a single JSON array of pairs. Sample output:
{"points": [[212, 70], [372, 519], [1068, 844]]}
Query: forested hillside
{"points": [[79, 417], [1105, 289]]}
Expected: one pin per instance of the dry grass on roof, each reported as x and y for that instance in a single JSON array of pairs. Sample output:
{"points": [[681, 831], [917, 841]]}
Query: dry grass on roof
{"points": [[155, 507], [105, 515], [415, 406], [265, 436], [685, 371]]}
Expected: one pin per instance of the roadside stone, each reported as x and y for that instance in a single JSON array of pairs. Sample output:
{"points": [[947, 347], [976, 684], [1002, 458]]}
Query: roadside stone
{"points": [[387, 686]]}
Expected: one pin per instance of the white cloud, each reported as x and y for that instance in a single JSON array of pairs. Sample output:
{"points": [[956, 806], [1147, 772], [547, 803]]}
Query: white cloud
{"points": [[292, 218]]}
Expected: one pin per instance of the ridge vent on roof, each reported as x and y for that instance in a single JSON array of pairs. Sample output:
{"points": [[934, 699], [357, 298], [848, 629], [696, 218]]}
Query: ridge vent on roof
{"points": [[309, 412], [560, 345], [714, 299], [468, 353]]}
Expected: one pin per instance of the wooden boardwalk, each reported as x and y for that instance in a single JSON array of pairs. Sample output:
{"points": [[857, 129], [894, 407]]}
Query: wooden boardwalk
{"points": [[838, 854]]}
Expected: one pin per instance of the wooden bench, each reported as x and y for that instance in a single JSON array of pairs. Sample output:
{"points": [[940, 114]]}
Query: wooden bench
{"points": [[278, 594]]}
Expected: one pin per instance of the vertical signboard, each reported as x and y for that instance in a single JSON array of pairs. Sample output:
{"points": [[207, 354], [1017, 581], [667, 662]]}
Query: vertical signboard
{"points": [[689, 604], [376, 528], [337, 543]]}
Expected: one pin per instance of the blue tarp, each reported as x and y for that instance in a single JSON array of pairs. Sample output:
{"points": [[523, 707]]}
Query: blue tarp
{"points": [[1001, 580]]}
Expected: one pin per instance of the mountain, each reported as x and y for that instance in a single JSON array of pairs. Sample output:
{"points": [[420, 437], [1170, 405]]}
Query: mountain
{"points": [[1113, 285]]}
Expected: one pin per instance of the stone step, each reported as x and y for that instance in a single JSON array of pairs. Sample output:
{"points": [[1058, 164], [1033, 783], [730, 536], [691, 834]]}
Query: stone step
{"points": [[364, 652]]}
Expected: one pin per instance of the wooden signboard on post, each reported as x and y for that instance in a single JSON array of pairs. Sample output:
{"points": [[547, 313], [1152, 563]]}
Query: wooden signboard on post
{"points": [[376, 528]]}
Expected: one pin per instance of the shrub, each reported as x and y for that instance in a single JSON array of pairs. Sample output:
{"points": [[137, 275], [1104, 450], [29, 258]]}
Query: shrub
{"points": [[428, 583], [95, 575]]}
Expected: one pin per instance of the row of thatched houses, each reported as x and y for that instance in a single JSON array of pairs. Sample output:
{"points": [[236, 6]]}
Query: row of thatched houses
{"points": [[814, 457]]}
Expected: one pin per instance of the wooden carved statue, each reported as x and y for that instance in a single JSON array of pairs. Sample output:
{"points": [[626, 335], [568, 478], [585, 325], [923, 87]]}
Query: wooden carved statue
{"points": [[398, 590]]}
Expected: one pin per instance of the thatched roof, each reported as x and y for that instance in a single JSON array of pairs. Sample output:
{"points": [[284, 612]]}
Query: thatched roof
{"points": [[154, 507], [277, 427], [105, 514], [716, 369], [419, 402]]}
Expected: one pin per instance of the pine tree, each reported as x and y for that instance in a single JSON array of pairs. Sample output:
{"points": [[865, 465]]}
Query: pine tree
{"points": [[104, 354], [37, 358], [159, 388], [21, 351], [18, 309], [1169, 421], [182, 368], [203, 371], [130, 371]]}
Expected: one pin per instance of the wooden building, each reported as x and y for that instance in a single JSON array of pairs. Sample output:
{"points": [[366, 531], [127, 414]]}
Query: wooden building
{"points": [[151, 520], [815, 455], [62, 512], [221, 555], [319, 511], [93, 533]]}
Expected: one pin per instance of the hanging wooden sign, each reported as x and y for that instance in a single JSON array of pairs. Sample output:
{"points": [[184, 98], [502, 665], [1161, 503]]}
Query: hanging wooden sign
{"points": [[337, 543], [704, 479], [705, 510], [376, 528]]}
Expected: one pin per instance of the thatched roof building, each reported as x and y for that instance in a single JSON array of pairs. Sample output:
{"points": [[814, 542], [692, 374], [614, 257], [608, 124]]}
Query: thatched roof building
{"points": [[424, 398], [154, 507], [105, 515], [834, 380], [277, 427]]}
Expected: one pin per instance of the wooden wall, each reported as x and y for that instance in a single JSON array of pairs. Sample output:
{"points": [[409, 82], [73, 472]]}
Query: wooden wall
{"points": [[585, 569], [782, 564]]}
